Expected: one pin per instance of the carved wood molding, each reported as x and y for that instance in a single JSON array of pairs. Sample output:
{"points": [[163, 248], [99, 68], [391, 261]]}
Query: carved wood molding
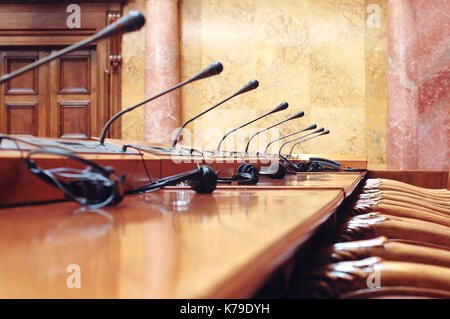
{"points": [[115, 59]]}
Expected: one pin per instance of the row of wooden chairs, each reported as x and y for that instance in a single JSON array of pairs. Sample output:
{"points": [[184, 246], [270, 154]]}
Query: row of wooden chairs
{"points": [[395, 243]]}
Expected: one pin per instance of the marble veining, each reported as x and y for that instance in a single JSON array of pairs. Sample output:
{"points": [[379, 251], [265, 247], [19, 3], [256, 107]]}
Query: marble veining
{"points": [[318, 56]]}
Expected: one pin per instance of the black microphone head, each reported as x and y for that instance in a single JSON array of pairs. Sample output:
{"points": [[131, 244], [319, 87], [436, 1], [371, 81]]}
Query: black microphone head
{"points": [[326, 132], [311, 127], [280, 107], [251, 85], [319, 130], [297, 115], [212, 69], [131, 22]]}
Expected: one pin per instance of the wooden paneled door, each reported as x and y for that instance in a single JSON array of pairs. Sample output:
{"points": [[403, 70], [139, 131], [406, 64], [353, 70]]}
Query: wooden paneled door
{"points": [[73, 95], [70, 97], [23, 98], [55, 100]]}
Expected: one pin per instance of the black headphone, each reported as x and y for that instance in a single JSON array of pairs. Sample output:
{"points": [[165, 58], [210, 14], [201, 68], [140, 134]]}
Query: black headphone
{"points": [[202, 179], [276, 170], [315, 164], [94, 186], [247, 174]]}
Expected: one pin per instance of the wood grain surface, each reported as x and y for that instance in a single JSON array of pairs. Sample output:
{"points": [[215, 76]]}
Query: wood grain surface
{"points": [[166, 244]]}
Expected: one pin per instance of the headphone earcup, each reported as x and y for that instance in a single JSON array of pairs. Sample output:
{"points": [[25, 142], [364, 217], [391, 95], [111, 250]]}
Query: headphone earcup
{"points": [[91, 190], [278, 169], [301, 167], [243, 168], [246, 174], [314, 167], [207, 181], [253, 174]]}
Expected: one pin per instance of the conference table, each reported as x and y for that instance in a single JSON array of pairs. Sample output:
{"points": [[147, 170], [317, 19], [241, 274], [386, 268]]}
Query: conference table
{"points": [[171, 243]]}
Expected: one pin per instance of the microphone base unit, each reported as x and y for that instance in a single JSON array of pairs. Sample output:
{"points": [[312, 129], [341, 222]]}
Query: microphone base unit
{"points": [[233, 154], [159, 150], [74, 146]]}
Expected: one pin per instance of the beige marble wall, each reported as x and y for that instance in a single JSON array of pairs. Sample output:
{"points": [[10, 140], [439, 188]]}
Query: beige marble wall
{"points": [[320, 56], [376, 59], [133, 73]]}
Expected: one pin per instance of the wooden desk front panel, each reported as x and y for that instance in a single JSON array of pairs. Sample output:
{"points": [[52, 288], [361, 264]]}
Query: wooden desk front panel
{"points": [[166, 244], [20, 186]]}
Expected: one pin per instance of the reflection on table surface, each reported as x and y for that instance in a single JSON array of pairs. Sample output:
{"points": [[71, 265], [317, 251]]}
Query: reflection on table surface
{"points": [[166, 244]]}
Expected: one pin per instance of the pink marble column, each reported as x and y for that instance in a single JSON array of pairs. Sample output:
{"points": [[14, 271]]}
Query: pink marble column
{"points": [[162, 69], [402, 114], [433, 64], [418, 85]]}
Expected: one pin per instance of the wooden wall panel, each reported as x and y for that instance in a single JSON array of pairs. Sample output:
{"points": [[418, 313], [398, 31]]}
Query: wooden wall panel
{"points": [[74, 119], [427, 179], [27, 82], [74, 74], [19, 98], [22, 118], [73, 95], [49, 17]]}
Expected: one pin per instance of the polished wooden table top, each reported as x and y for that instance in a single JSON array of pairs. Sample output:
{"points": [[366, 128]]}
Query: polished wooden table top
{"points": [[172, 243], [167, 244]]}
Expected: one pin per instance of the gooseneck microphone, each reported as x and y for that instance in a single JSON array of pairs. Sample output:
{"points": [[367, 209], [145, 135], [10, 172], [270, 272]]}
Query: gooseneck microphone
{"points": [[300, 137], [212, 69], [131, 22], [295, 116], [307, 139], [251, 85], [311, 127], [278, 108]]}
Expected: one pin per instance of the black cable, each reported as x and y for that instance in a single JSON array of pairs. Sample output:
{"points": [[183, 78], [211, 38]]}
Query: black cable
{"points": [[93, 187], [96, 186], [202, 179], [142, 158]]}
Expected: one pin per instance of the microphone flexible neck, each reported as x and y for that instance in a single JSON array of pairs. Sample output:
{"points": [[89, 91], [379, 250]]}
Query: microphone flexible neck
{"points": [[251, 85], [306, 139], [286, 136], [298, 138], [263, 130], [175, 140], [237, 128], [112, 119]]}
